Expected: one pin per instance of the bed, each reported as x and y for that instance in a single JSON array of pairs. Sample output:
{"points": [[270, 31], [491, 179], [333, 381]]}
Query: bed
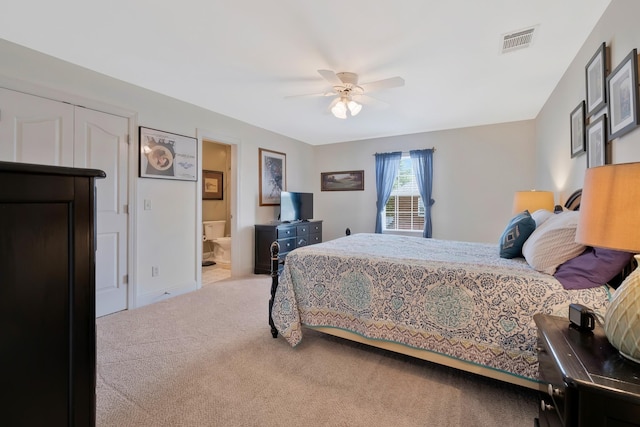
{"points": [[454, 303]]}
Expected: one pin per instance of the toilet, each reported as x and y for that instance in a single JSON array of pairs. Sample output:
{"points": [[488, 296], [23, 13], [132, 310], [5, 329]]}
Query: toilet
{"points": [[214, 232]]}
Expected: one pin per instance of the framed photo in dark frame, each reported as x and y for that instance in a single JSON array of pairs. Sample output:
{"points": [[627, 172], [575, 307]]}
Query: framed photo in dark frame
{"points": [[577, 130], [622, 87], [342, 181], [596, 133], [273, 176], [595, 72], [212, 185]]}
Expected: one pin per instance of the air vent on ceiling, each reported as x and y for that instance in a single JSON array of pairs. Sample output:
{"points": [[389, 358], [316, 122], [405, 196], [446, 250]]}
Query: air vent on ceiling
{"points": [[517, 39]]}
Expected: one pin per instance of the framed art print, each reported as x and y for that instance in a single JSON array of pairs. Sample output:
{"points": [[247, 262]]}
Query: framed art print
{"points": [[596, 134], [622, 87], [273, 167], [167, 155], [342, 181], [577, 130], [595, 71], [212, 185]]}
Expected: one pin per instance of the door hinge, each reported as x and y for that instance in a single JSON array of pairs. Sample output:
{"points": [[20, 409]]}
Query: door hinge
{"points": [[125, 279], [128, 139], [125, 209]]}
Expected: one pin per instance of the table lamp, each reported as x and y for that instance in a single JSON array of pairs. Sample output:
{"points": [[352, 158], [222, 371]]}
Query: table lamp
{"points": [[610, 218], [532, 200]]}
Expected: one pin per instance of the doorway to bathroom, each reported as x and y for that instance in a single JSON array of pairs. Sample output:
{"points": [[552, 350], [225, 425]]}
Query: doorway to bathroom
{"points": [[216, 211]]}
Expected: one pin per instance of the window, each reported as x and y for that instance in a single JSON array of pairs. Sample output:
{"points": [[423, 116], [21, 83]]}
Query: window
{"points": [[404, 210]]}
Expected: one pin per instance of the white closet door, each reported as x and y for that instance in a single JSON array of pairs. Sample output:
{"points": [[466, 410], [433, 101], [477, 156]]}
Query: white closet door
{"points": [[101, 142], [35, 130]]}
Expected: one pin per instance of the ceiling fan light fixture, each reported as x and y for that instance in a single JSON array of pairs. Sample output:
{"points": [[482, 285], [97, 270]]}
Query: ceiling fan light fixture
{"points": [[339, 110], [354, 107]]}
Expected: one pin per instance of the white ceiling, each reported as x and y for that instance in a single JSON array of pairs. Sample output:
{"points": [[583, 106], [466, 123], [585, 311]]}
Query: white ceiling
{"points": [[241, 58]]}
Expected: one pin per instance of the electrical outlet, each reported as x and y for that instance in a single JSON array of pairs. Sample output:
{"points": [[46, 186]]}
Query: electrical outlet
{"points": [[154, 271]]}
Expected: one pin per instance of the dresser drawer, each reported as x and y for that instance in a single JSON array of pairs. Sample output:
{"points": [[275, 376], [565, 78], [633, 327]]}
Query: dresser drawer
{"points": [[550, 374], [286, 232], [302, 241], [315, 238], [316, 227], [302, 230], [287, 245], [547, 416]]}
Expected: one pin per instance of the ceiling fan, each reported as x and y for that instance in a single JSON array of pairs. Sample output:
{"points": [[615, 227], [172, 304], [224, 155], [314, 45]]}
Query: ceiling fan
{"points": [[345, 88]]}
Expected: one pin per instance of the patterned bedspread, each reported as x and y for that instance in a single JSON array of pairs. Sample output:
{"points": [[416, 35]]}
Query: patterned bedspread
{"points": [[454, 298]]}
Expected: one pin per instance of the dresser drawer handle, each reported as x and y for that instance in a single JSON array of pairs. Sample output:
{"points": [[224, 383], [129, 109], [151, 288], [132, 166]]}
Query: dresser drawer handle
{"points": [[545, 406], [553, 391]]}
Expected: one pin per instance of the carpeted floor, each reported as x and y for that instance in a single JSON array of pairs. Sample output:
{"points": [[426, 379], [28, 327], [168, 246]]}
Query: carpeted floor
{"points": [[207, 358]]}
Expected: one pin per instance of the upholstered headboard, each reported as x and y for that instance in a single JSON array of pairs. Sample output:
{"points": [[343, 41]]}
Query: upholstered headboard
{"points": [[573, 202]]}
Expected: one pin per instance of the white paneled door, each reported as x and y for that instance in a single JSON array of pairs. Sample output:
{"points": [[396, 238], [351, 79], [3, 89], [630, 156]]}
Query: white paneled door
{"points": [[101, 142], [43, 131], [35, 130]]}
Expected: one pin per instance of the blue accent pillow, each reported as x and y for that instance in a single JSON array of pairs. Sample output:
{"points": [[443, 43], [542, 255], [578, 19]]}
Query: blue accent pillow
{"points": [[517, 232]]}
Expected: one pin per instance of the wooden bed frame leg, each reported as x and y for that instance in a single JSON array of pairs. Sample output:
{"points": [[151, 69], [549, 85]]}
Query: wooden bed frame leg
{"points": [[274, 249]]}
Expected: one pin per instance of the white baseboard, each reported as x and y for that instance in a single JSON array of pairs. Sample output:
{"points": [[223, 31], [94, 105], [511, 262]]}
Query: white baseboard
{"points": [[161, 295]]}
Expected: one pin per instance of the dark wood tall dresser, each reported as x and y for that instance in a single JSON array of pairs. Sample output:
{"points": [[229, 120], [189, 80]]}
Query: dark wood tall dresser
{"points": [[47, 295]]}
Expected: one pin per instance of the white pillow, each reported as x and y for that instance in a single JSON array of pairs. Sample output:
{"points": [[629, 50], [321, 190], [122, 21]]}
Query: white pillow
{"points": [[540, 216], [553, 243]]}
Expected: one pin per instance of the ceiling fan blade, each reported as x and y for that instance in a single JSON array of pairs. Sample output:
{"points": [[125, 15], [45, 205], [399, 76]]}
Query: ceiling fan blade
{"points": [[331, 77], [312, 95], [383, 84]]}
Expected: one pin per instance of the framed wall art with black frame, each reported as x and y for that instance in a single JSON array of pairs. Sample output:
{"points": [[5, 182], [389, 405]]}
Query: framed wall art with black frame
{"points": [[577, 130], [596, 133], [167, 155], [622, 88], [595, 72], [212, 185], [342, 181], [273, 176]]}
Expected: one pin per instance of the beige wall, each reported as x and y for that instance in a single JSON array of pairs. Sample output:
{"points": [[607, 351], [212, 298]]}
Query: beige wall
{"points": [[177, 208], [556, 170], [477, 170]]}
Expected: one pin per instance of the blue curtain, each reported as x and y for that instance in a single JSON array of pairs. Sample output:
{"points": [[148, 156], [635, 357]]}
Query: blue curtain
{"points": [[387, 165], [422, 162]]}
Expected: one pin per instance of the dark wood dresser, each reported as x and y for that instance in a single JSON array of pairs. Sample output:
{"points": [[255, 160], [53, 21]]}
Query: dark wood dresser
{"points": [[590, 384], [47, 295], [288, 235]]}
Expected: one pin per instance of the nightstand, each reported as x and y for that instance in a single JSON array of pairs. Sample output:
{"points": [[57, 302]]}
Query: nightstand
{"points": [[590, 384]]}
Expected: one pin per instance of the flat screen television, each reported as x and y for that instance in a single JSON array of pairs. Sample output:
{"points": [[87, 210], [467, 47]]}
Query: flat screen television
{"points": [[295, 206]]}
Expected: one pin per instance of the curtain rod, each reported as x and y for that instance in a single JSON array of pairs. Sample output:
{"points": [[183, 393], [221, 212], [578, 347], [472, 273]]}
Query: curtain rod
{"points": [[406, 152]]}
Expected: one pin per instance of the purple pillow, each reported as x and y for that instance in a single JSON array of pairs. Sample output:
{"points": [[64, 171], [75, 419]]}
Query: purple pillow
{"points": [[593, 268]]}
